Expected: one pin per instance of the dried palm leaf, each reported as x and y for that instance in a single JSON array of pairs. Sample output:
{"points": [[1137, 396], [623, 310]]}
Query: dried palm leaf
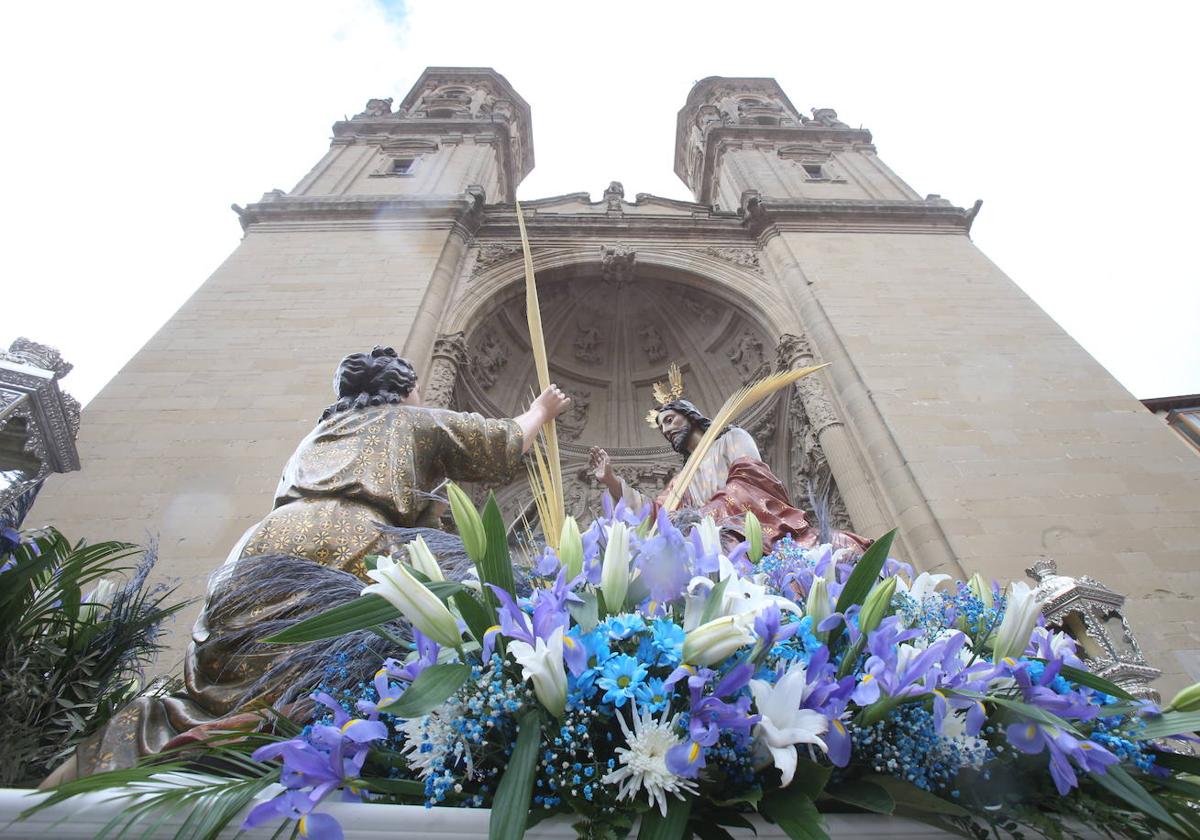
{"points": [[735, 405], [546, 482]]}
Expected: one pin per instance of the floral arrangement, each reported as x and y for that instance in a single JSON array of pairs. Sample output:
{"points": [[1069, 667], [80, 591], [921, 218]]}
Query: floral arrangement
{"points": [[658, 677]]}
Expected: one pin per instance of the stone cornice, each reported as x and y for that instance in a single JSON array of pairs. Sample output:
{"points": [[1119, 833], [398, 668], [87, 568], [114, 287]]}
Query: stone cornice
{"points": [[425, 211], [763, 215], [500, 222]]}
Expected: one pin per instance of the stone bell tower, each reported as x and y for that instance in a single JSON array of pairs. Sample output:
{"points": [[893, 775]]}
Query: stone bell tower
{"points": [[984, 431], [188, 440]]}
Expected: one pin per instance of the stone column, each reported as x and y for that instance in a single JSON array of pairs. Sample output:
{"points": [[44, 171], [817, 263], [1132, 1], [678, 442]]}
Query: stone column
{"points": [[864, 509], [449, 356]]}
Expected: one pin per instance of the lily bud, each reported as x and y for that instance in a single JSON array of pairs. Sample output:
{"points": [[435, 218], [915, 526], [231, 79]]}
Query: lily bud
{"points": [[570, 548], [817, 604], [423, 561], [415, 602], [712, 642], [754, 536], [1020, 617], [614, 576], [468, 522], [877, 605], [98, 600], [1187, 700], [981, 590]]}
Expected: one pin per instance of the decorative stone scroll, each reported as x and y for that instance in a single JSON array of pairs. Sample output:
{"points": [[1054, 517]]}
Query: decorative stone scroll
{"points": [[449, 356], [744, 257], [494, 253], [810, 413]]}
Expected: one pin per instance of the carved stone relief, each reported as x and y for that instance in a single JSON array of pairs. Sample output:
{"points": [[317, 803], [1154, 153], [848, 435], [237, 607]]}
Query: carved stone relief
{"points": [[588, 341], [377, 108], [489, 359], [492, 254], [703, 312], [614, 194], [745, 257], [652, 343], [617, 263], [823, 118], [746, 355], [572, 422]]}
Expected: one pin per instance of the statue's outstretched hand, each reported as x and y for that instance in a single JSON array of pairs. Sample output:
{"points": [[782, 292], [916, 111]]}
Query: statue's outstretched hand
{"points": [[551, 403], [600, 464]]}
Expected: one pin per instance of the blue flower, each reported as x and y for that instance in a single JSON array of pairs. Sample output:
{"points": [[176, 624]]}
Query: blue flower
{"points": [[666, 642], [620, 679], [653, 696], [625, 625]]}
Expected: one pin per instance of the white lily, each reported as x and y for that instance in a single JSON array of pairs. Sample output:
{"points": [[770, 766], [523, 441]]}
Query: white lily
{"points": [[423, 561], [414, 600], [542, 664], [1020, 617], [817, 604], [570, 548], [614, 575], [784, 724], [714, 641], [742, 595], [98, 600], [924, 586], [710, 535]]}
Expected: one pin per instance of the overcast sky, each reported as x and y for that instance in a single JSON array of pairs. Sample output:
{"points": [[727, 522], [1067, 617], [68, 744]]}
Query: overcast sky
{"points": [[131, 127]]}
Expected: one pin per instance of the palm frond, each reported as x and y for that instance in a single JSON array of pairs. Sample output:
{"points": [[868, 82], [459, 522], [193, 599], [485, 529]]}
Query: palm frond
{"points": [[548, 483], [735, 405]]}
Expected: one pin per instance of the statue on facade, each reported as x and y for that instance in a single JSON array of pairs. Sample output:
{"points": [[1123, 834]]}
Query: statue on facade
{"points": [[361, 483], [732, 478], [378, 108]]}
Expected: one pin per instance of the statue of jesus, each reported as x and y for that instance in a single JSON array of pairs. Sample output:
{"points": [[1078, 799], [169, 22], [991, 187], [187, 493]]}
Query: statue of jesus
{"points": [[732, 479]]}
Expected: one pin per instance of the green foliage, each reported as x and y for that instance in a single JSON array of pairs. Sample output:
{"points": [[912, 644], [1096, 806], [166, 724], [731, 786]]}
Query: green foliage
{"points": [[428, 691], [73, 642], [365, 611], [671, 827], [510, 808]]}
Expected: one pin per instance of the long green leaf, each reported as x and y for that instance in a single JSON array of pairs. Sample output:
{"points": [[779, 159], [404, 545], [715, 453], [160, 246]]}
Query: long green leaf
{"points": [[671, 827], [863, 794], [1120, 784], [473, 613], [363, 612], [1171, 723], [497, 565], [1024, 709], [1177, 761], [865, 574], [810, 778], [907, 796], [428, 691], [510, 807], [1087, 678], [713, 605], [796, 815]]}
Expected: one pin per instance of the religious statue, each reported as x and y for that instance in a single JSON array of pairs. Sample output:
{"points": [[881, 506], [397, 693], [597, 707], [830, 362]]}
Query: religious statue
{"points": [[363, 482], [378, 108], [732, 478]]}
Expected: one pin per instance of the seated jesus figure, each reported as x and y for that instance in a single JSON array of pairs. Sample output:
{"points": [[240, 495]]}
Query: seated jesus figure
{"points": [[731, 480]]}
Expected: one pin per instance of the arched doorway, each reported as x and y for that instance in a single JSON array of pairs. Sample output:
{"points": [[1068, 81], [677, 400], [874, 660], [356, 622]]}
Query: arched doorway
{"points": [[609, 339]]}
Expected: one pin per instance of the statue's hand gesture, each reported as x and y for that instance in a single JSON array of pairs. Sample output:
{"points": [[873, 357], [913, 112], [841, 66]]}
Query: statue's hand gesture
{"points": [[551, 403], [600, 465]]}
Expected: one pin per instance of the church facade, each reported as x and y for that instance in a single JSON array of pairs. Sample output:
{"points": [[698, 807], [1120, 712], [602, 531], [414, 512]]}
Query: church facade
{"points": [[953, 407]]}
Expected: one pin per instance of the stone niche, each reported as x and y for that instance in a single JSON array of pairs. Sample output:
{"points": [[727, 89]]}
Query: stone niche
{"points": [[609, 339]]}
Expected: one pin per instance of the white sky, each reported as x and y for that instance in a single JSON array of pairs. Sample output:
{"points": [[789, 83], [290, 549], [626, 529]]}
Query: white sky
{"points": [[129, 128]]}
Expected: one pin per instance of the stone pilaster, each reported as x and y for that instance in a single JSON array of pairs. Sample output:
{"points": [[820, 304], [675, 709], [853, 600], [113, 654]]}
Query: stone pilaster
{"points": [[449, 356]]}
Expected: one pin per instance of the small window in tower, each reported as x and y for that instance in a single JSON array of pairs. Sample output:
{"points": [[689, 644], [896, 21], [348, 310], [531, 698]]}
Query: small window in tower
{"points": [[402, 166], [814, 171]]}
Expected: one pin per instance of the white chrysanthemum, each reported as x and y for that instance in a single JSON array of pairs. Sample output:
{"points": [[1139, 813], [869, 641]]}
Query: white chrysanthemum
{"points": [[431, 743], [644, 761]]}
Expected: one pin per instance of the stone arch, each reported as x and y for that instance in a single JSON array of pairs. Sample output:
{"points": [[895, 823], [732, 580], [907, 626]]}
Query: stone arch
{"points": [[609, 339]]}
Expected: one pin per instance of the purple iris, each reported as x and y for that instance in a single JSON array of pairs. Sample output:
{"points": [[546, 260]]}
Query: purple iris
{"points": [[710, 714], [1064, 748], [665, 561]]}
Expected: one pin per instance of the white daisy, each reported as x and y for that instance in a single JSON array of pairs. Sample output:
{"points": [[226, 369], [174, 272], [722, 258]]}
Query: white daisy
{"points": [[644, 761]]}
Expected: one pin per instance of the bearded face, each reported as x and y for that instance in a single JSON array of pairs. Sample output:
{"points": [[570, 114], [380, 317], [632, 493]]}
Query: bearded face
{"points": [[677, 429]]}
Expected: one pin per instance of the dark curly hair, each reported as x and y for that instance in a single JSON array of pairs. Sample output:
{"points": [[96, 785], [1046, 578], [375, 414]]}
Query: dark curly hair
{"points": [[374, 378]]}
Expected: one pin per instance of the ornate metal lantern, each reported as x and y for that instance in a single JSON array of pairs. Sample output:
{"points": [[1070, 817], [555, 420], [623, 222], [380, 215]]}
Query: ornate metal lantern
{"points": [[38, 424], [1094, 616]]}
